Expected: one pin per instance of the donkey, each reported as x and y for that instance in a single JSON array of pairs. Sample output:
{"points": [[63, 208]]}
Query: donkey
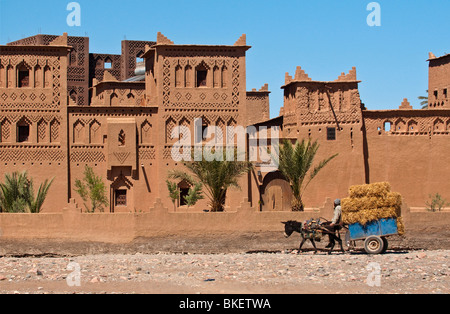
{"points": [[291, 226]]}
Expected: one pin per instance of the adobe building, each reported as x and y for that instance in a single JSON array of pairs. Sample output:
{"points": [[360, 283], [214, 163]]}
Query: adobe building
{"points": [[62, 107]]}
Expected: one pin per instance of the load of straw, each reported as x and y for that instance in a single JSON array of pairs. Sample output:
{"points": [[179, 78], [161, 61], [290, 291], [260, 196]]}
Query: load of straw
{"points": [[370, 202]]}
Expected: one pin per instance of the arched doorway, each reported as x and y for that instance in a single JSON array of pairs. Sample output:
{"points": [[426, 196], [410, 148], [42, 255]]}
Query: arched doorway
{"points": [[121, 197], [276, 194]]}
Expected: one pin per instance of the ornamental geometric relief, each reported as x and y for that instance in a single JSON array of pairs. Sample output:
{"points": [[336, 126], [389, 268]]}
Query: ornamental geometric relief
{"points": [[42, 131], [5, 130], [86, 156], [54, 131], [121, 157], [31, 154]]}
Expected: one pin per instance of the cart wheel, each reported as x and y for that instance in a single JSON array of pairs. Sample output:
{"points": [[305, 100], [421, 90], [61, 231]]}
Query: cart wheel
{"points": [[374, 245], [385, 245]]}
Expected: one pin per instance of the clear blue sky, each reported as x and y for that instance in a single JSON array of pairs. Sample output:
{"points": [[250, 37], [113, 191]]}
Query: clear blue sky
{"points": [[324, 37]]}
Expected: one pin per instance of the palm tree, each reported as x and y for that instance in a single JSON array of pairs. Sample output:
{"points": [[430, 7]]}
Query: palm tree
{"points": [[295, 164], [35, 203], [12, 195], [424, 101], [216, 176], [17, 194]]}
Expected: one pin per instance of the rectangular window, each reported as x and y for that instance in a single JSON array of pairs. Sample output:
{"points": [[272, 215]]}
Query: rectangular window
{"points": [[201, 78], [445, 93], [121, 198], [23, 133], [387, 127], [331, 134], [204, 132], [435, 94], [24, 78]]}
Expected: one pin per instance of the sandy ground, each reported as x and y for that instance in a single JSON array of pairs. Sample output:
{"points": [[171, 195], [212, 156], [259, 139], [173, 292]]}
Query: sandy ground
{"points": [[234, 273]]}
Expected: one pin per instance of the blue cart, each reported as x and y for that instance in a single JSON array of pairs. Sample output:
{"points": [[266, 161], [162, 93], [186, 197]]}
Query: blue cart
{"points": [[373, 234]]}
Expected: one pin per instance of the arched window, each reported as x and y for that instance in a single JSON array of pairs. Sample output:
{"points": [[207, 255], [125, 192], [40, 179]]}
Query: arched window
{"points": [[73, 95], [188, 73], [201, 75], [23, 75], [23, 130], [224, 76], [38, 77], [216, 77], [47, 76], [178, 76], [114, 100], [108, 63], [10, 76], [2, 76]]}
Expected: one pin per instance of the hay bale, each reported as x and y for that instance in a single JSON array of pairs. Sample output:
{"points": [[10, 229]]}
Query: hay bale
{"points": [[392, 199], [358, 204], [365, 216], [370, 202], [400, 226], [379, 189]]}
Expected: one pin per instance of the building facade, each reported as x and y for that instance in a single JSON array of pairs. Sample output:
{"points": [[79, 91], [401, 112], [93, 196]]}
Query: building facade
{"points": [[62, 108]]}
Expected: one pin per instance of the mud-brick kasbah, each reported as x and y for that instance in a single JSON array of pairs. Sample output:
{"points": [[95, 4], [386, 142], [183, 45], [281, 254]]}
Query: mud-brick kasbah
{"points": [[63, 107]]}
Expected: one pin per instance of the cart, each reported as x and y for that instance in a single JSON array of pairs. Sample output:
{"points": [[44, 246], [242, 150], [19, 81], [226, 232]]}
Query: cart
{"points": [[374, 235]]}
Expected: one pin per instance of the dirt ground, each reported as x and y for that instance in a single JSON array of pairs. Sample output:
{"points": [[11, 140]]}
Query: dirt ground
{"points": [[429, 239], [233, 273], [264, 263]]}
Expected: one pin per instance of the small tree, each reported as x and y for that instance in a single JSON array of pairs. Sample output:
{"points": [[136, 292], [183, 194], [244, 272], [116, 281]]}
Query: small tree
{"points": [[92, 188], [436, 203], [174, 193]]}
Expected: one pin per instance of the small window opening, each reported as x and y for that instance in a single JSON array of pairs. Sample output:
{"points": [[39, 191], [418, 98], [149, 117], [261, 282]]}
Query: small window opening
{"points": [[201, 78], [387, 126], [445, 93], [121, 198], [139, 58], [108, 65], [23, 133], [24, 78], [331, 134], [436, 94], [204, 132]]}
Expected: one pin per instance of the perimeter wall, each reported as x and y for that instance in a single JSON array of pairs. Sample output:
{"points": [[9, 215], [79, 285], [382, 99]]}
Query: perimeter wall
{"points": [[73, 226]]}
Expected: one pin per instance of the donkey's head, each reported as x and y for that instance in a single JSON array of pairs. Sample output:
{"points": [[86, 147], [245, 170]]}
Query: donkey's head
{"points": [[291, 226]]}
